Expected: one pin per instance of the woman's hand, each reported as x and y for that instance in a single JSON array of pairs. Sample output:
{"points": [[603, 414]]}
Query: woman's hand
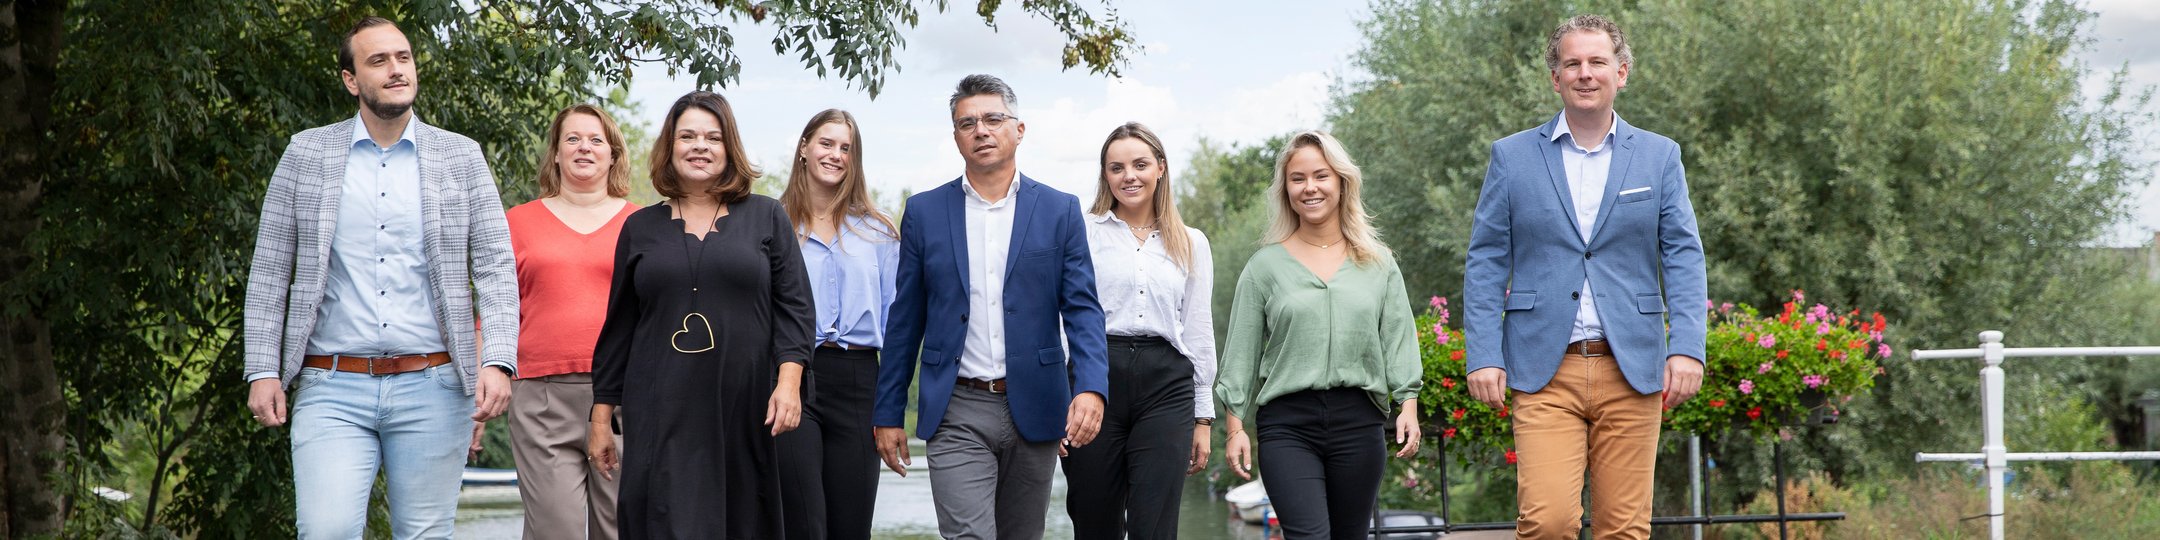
{"points": [[600, 444], [784, 410], [1237, 450], [1201, 447], [1407, 432]]}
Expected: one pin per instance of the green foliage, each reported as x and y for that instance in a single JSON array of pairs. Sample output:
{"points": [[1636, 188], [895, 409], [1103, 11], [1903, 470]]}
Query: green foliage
{"points": [[1221, 196], [1936, 158], [167, 118]]}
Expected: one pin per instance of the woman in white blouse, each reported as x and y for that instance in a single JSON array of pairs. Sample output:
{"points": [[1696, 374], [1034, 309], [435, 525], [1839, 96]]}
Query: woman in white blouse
{"points": [[1154, 276]]}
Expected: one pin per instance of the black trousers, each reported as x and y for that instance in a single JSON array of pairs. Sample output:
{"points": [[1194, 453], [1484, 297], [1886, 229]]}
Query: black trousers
{"points": [[829, 463], [1321, 454], [1129, 479]]}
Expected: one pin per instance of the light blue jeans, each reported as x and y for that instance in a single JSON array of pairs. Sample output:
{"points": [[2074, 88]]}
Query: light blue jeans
{"points": [[415, 427]]}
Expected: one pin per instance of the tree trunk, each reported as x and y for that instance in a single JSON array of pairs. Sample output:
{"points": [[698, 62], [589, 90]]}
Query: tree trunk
{"points": [[32, 409]]}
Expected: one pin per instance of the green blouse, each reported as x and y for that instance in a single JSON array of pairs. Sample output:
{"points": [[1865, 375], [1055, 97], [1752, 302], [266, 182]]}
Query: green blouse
{"points": [[1290, 331]]}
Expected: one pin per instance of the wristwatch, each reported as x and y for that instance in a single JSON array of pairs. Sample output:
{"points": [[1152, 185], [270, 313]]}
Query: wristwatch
{"points": [[1203, 421]]}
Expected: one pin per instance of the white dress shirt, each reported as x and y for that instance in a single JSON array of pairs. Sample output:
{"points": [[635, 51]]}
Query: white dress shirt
{"points": [[1145, 293], [989, 232], [1587, 169]]}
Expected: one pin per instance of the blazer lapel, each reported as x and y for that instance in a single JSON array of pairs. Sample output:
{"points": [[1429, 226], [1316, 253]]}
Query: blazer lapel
{"points": [[332, 191], [1623, 145], [1023, 216], [956, 224], [1550, 150]]}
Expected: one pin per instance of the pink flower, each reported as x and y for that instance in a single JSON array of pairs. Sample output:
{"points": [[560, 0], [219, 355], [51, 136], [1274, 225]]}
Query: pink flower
{"points": [[1822, 328], [1765, 368], [1882, 351], [1814, 381], [1725, 306], [1767, 341], [1875, 335], [1440, 335], [1747, 386], [1708, 304]]}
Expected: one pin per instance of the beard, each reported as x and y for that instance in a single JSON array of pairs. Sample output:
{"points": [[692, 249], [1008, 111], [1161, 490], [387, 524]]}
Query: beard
{"points": [[384, 109]]}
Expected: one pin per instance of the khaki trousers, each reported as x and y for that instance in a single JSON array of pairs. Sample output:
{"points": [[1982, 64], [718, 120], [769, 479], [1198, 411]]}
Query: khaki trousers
{"points": [[565, 497], [1587, 416]]}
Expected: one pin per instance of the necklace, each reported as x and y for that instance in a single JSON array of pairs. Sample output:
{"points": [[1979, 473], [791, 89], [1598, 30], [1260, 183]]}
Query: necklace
{"points": [[675, 340], [1321, 246], [1148, 227]]}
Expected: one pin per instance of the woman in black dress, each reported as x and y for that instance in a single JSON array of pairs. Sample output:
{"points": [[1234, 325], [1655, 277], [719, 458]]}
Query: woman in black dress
{"points": [[708, 329]]}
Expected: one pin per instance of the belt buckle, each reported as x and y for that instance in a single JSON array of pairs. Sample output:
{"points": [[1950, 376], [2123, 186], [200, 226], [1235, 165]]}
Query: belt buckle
{"points": [[1584, 350], [371, 367]]}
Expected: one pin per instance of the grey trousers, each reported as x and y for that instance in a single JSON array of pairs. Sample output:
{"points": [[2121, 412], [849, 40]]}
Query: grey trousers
{"points": [[986, 481], [565, 497]]}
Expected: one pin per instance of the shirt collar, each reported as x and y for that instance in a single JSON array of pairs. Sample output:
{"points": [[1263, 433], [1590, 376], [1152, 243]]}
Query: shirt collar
{"points": [[360, 132], [1013, 188], [1561, 129]]}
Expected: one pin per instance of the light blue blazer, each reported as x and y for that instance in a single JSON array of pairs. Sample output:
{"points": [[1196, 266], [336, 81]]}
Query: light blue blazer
{"points": [[1527, 262]]}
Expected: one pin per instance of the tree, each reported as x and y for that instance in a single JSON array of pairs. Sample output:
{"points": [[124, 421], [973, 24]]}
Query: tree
{"points": [[133, 155], [1936, 160]]}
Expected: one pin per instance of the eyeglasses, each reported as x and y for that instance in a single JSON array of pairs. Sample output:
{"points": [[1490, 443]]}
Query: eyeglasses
{"points": [[993, 121]]}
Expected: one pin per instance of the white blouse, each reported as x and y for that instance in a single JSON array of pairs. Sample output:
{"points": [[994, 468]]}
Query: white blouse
{"points": [[1144, 293]]}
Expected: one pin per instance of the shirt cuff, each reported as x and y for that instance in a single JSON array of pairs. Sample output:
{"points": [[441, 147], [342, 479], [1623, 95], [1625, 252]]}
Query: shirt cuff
{"points": [[260, 375]]}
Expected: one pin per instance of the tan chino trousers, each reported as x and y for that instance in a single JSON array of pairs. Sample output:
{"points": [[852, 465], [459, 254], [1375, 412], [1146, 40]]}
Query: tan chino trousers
{"points": [[1588, 417], [565, 497]]}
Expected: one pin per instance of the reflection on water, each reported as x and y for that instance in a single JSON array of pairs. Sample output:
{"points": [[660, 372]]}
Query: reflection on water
{"points": [[904, 511]]}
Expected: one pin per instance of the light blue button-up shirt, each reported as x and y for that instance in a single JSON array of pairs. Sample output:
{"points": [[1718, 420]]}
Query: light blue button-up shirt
{"points": [[1587, 169], [851, 280]]}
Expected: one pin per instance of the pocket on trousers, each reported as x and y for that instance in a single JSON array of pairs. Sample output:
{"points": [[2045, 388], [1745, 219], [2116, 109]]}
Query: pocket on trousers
{"points": [[309, 377], [447, 376]]}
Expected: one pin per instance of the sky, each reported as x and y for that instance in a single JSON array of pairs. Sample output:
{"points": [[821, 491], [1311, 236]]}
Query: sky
{"points": [[1232, 71]]}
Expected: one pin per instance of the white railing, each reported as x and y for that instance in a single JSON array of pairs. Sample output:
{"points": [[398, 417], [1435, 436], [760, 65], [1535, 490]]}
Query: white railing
{"points": [[1993, 454]]}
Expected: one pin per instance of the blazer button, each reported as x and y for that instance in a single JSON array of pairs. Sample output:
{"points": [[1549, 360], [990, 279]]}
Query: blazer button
{"points": [[1577, 295], [963, 317], [1586, 255]]}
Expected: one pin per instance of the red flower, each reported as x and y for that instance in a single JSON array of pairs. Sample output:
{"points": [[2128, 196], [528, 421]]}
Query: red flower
{"points": [[1503, 411], [1715, 403], [1879, 324], [1456, 355], [1837, 355], [1781, 355], [1754, 413], [1458, 413], [1510, 454], [1856, 344], [1447, 383], [1822, 344], [1448, 433]]}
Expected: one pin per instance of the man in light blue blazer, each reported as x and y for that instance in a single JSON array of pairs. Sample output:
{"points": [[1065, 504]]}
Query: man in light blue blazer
{"points": [[996, 298], [1584, 294]]}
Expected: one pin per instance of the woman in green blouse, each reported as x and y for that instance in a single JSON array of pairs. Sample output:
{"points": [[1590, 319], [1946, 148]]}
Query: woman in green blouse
{"points": [[1321, 347]]}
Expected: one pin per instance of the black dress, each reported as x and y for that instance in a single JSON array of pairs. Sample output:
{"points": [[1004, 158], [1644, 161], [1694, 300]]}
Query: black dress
{"points": [[697, 459]]}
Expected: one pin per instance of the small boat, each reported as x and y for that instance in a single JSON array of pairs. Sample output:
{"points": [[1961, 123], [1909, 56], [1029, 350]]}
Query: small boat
{"points": [[476, 476], [1249, 502]]}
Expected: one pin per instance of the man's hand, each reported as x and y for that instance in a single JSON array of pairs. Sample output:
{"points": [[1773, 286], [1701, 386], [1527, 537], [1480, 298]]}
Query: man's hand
{"points": [[1201, 447], [266, 399], [492, 395], [1082, 419], [1489, 386], [600, 449], [1407, 432], [892, 445], [1683, 377]]}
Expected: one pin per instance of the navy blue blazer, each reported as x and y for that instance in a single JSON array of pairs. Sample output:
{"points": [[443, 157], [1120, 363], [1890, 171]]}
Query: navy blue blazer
{"points": [[1527, 261], [1049, 286]]}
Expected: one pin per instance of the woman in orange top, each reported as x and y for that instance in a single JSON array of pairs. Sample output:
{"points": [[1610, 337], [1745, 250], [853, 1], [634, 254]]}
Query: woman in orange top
{"points": [[565, 246]]}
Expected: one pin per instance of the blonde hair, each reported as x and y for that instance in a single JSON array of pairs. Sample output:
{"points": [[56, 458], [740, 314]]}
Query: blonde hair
{"points": [[1357, 228], [1168, 225], [854, 197], [618, 176]]}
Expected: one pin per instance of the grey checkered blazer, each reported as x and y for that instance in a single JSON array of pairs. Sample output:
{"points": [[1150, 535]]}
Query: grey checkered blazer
{"points": [[465, 238]]}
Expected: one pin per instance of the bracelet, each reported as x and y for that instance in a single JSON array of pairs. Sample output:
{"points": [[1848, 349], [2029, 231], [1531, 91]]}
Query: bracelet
{"points": [[1204, 421]]}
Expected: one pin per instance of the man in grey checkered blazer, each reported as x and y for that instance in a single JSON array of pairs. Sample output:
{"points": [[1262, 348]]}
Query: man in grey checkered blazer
{"points": [[381, 237]]}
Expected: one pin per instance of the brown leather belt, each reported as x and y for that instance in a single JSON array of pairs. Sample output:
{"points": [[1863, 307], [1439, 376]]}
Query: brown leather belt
{"points": [[832, 345], [1590, 348], [377, 365], [994, 387]]}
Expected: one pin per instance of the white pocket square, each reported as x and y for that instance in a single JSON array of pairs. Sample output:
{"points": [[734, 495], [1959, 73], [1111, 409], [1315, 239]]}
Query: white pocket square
{"points": [[1636, 190]]}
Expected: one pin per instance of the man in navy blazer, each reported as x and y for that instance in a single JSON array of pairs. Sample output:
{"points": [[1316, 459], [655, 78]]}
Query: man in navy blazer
{"points": [[996, 298], [1584, 294]]}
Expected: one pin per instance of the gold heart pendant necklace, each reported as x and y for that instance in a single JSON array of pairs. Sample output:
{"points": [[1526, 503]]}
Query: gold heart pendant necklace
{"points": [[676, 340], [711, 340]]}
